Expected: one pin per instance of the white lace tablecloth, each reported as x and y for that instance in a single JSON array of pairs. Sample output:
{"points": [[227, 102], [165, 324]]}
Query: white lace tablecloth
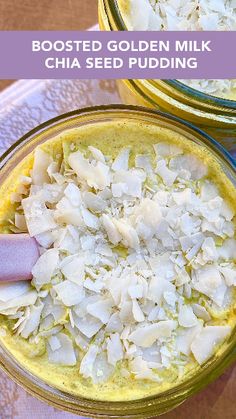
{"points": [[23, 106]]}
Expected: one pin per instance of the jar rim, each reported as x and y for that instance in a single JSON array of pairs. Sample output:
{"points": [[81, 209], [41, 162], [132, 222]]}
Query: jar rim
{"points": [[189, 386]]}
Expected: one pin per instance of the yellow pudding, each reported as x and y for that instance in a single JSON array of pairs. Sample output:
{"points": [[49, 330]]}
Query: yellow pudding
{"points": [[111, 138]]}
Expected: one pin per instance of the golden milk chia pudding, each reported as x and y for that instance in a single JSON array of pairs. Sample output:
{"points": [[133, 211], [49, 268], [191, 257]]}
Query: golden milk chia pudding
{"points": [[134, 287], [179, 15]]}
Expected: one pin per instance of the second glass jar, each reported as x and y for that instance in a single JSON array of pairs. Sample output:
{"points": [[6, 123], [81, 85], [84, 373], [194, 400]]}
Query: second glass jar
{"points": [[214, 115]]}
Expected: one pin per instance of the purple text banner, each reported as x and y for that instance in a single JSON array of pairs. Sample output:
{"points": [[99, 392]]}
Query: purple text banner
{"points": [[117, 55]]}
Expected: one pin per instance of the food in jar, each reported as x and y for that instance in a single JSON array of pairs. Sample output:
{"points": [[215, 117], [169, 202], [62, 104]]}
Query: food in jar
{"points": [[194, 15], [134, 289]]}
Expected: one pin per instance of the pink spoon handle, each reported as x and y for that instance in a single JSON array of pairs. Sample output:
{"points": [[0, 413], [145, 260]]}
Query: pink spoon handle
{"points": [[18, 255]]}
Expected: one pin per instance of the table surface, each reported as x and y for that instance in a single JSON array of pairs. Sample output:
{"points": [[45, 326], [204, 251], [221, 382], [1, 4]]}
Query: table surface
{"points": [[46, 15], [218, 401]]}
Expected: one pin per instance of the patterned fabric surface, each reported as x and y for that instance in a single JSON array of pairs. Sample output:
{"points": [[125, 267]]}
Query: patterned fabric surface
{"points": [[22, 107], [27, 104]]}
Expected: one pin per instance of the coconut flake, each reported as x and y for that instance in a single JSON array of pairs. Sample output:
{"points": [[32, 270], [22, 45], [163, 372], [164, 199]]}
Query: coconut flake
{"points": [[11, 290], [38, 217], [114, 349], [39, 173], [101, 310], [140, 369], [97, 154], [209, 281], [121, 162], [167, 150], [229, 274], [205, 342], [33, 321], [128, 234], [201, 312], [45, 267], [73, 269], [72, 192], [94, 202], [88, 325], [65, 354], [146, 336], [186, 337], [168, 176], [87, 363], [158, 287], [187, 317], [69, 293], [137, 312], [111, 229], [96, 176]]}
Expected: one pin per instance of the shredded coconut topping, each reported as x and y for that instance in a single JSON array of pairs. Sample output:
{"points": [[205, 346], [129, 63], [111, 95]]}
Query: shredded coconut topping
{"points": [[179, 15], [136, 266]]}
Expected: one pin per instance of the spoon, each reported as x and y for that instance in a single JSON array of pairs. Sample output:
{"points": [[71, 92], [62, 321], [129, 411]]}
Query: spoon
{"points": [[18, 255]]}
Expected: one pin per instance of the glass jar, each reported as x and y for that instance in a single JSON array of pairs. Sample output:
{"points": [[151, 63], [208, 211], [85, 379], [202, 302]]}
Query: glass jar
{"points": [[162, 402], [214, 115]]}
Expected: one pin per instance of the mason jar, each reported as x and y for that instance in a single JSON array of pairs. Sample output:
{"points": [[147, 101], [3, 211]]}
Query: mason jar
{"points": [[164, 401], [214, 115]]}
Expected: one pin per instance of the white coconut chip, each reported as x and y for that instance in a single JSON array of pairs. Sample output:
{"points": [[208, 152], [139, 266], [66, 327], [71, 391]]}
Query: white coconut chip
{"points": [[209, 281], [86, 366], [137, 312], [97, 154], [158, 287], [143, 161], [168, 176], [63, 355], [72, 192], [24, 300], [129, 236], [88, 325], [96, 176], [101, 310], [33, 321], [201, 312], [146, 336], [73, 268], [204, 343], [38, 217], [185, 338], [229, 274], [187, 317], [69, 293], [114, 324], [141, 371], [66, 213], [114, 349], [42, 161], [111, 230], [121, 162], [208, 15], [11, 290], [45, 267], [94, 202]]}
